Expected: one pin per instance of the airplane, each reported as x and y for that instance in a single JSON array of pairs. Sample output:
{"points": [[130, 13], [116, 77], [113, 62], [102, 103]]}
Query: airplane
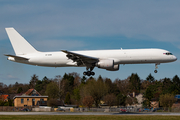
{"points": [[104, 59]]}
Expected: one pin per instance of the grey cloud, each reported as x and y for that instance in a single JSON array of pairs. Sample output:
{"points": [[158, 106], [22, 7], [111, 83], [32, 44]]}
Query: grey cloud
{"points": [[157, 20], [4, 77]]}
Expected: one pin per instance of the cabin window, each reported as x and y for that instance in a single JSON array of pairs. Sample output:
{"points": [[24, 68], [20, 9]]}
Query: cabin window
{"points": [[168, 53]]}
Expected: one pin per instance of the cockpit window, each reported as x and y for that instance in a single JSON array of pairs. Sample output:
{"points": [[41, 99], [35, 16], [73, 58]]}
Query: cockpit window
{"points": [[168, 53]]}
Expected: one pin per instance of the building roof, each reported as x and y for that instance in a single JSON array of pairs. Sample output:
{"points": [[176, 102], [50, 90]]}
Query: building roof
{"points": [[3, 97], [32, 92]]}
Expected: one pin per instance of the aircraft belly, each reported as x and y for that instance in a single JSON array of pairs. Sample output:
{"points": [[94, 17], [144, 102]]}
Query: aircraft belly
{"points": [[49, 62]]}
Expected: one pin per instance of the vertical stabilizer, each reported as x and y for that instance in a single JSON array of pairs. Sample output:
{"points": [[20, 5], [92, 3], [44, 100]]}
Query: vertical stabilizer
{"points": [[20, 45]]}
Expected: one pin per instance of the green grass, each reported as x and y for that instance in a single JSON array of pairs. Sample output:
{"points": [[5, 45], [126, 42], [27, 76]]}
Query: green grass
{"points": [[86, 117]]}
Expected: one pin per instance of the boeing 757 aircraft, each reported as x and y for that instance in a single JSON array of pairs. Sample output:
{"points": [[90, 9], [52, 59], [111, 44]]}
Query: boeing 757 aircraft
{"points": [[104, 59]]}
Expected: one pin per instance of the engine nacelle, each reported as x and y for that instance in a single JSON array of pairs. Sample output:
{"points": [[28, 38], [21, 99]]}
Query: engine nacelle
{"points": [[108, 65], [115, 68]]}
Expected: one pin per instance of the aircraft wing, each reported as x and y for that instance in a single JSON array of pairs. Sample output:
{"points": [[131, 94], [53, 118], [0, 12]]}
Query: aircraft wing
{"points": [[80, 59], [17, 57]]}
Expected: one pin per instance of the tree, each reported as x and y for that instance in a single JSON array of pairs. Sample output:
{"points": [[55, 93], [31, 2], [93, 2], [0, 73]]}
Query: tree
{"points": [[130, 101], [135, 83], [38, 85], [83, 80], [150, 78], [77, 79], [175, 87], [110, 100], [166, 85], [146, 103], [88, 101], [176, 81], [69, 78], [77, 96], [19, 90], [97, 89], [123, 86], [121, 99], [100, 79], [41, 85], [67, 99], [67, 84], [112, 87], [1, 103], [149, 95], [33, 81], [153, 91], [144, 85], [167, 100], [52, 102], [52, 90]]}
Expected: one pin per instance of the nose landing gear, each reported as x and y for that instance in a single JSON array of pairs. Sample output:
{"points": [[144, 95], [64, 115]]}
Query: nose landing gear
{"points": [[156, 67]]}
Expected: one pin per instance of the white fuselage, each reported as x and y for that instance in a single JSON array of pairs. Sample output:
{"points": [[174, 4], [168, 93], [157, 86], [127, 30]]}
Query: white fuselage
{"points": [[122, 56], [104, 59]]}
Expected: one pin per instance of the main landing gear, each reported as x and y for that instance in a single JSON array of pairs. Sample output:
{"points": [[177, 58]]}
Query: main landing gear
{"points": [[156, 67], [89, 73]]}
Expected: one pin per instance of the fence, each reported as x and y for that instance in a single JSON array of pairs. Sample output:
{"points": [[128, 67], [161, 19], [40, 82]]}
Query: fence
{"points": [[15, 109], [121, 109]]}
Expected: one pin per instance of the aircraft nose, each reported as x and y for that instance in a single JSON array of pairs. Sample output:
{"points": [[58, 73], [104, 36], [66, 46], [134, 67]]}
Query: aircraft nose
{"points": [[174, 58]]}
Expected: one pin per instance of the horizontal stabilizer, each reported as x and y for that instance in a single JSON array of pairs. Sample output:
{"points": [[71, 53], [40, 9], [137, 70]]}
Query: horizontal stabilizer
{"points": [[17, 57]]}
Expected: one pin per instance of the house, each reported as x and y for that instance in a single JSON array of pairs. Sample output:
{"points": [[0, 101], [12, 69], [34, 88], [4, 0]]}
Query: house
{"points": [[139, 97], [4, 98], [154, 103], [30, 98], [177, 103]]}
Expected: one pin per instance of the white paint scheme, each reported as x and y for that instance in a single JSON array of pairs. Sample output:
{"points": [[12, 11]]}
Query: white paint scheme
{"points": [[25, 53]]}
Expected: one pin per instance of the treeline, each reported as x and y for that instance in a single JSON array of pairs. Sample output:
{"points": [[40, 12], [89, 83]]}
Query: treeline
{"points": [[76, 90]]}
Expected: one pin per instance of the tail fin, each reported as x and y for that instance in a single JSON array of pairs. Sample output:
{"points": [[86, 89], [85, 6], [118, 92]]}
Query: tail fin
{"points": [[20, 45]]}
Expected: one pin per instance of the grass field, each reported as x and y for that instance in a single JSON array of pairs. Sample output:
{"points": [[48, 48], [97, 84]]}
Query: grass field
{"points": [[85, 117]]}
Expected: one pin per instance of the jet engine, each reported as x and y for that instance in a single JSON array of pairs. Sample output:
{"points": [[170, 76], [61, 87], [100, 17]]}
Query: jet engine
{"points": [[108, 65], [115, 68]]}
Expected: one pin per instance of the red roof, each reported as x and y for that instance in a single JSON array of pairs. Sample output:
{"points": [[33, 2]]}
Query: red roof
{"points": [[30, 91], [3, 97]]}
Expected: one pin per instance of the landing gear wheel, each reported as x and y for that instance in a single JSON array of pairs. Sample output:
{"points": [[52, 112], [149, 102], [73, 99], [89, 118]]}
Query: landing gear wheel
{"points": [[88, 73], [155, 71], [92, 73], [156, 67], [85, 73]]}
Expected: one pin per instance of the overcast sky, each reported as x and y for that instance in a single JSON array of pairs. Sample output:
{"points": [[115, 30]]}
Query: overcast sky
{"points": [[86, 25]]}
